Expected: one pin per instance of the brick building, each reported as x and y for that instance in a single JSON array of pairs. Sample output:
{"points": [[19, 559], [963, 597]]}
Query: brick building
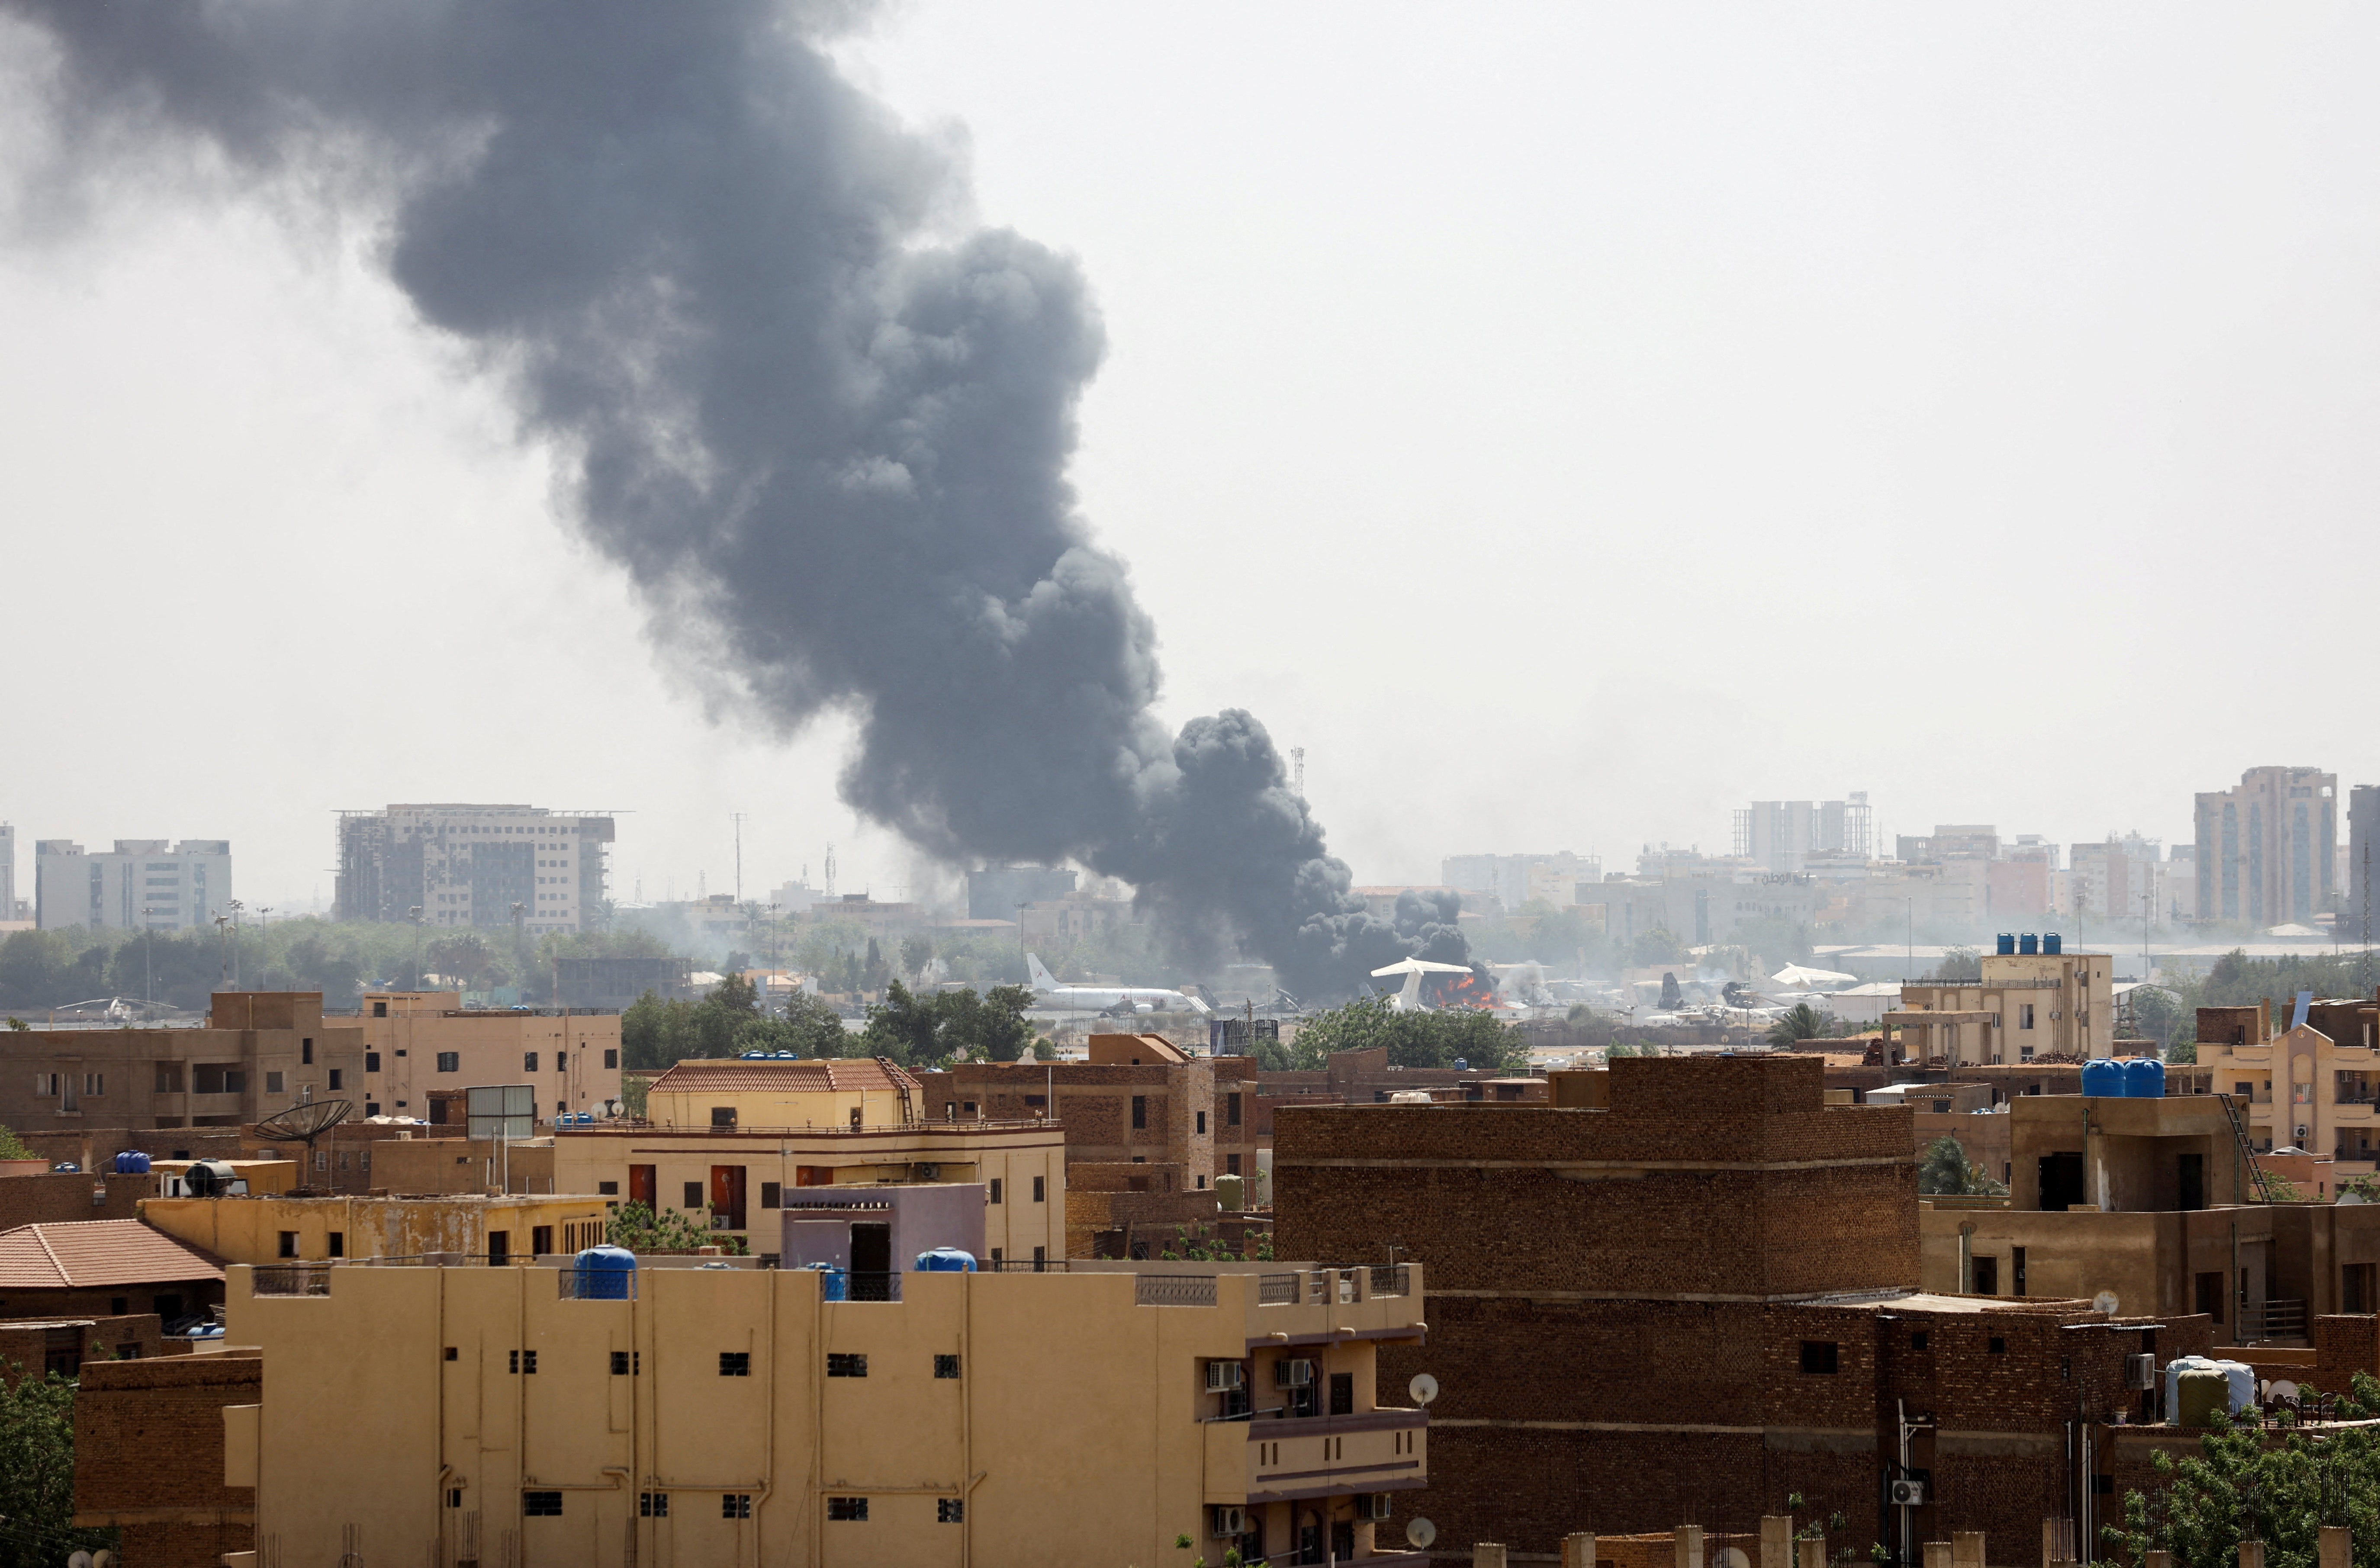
{"points": [[38, 1347], [104, 1267], [1694, 1299], [148, 1456], [260, 1053]]}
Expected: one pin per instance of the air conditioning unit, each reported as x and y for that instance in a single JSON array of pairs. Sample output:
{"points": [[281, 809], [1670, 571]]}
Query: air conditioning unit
{"points": [[2140, 1372], [1287, 1374], [1225, 1519], [929, 1173], [1909, 1494], [1222, 1376], [1374, 1506]]}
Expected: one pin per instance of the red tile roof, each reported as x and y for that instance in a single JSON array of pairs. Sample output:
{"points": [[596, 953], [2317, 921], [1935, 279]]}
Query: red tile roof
{"points": [[815, 1076], [97, 1254]]}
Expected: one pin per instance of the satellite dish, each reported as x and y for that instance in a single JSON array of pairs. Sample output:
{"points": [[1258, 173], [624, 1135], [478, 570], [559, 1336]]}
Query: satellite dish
{"points": [[304, 1123], [2105, 1302], [1424, 1388], [1732, 1556], [79, 1560], [1419, 1532], [104, 1558]]}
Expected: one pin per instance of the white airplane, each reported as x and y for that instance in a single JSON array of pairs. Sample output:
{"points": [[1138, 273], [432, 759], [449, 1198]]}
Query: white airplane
{"points": [[1050, 996], [1408, 999]]}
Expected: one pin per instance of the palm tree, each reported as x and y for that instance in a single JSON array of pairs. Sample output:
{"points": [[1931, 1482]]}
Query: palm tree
{"points": [[1801, 1021]]}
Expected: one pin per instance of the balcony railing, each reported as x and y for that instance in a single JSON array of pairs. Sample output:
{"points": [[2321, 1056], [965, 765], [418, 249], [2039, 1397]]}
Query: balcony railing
{"points": [[2276, 1319], [1174, 1290], [1276, 1289], [291, 1278], [811, 1129]]}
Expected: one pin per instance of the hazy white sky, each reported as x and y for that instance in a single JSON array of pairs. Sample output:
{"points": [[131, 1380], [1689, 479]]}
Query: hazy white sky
{"points": [[1565, 422]]}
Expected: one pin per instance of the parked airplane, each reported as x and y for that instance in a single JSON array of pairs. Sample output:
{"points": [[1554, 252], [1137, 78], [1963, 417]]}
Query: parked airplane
{"points": [[1410, 999], [1051, 997]]}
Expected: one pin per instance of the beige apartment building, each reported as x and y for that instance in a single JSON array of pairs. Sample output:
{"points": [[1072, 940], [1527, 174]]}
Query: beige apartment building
{"points": [[721, 1417], [2027, 1007], [2312, 1085], [419, 1040], [260, 1052], [730, 1141]]}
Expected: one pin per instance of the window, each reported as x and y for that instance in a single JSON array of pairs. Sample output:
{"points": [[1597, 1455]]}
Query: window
{"points": [[288, 1244], [1231, 1165], [608, 1190], [500, 1246], [523, 1362], [621, 1364], [693, 1195], [94, 1083], [542, 1505], [851, 1509], [1230, 1111], [2025, 1015], [451, 1353], [738, 1505], [1037, 1189], [1040, 1256], [1819, 1356], [1917, 1339], [529, 1061], [338, 1244], [950, 1511], [1998, 1345], [840, 1365], [338, 1078], [995, 1189], [611, 1058], [1987, 1276], [371, 1108], [453, 1497], [541, 1240], [372, 1060], [1202, 1181], [272, 1083], [118, 1305], [450, 1061], [1202, 1121], [380, 1009], [1140, 1111], [946, 1366], [652, 1505], [723, 1117], [306, 1053], [735, 1363], [1343, 1394]]}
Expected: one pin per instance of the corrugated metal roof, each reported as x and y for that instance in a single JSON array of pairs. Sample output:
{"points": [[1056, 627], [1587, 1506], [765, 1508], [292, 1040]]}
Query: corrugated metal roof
{"points": [[815, 1077], [96, 1254]]}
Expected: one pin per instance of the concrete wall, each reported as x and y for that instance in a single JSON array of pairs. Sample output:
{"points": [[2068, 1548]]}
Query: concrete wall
{"points": [[149, 1457]]}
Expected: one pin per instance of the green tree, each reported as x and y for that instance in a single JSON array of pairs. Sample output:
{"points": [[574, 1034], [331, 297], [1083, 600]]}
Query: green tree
{"points": [[37, 1473], [1945, 1171], [917, 1029], [638, 1227], [1799, 1022], [13, 1147], [916, 952], [1414, 1039], [1960, 965], [2239, 1485], [1658, 945]]}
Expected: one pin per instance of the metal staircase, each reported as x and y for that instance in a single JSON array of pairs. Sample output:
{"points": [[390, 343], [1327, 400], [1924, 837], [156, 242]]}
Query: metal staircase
{"points": [[2247, 1150]]}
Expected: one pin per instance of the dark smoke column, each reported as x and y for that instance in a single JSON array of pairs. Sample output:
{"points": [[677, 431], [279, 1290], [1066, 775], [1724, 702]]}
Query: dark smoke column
{"points": [[832, 453]]}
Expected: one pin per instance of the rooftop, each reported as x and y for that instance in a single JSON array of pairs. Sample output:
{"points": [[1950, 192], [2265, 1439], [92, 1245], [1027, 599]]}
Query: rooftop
{"points": [[97, 1254], [817, 1075]]}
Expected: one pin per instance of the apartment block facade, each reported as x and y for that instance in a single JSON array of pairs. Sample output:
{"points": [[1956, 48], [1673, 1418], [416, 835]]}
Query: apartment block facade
{"points": [[2267, 847], [260, 1053], [142, 884], [738, 1416], [484, 866], [2026, 1006], [416, 1043]]}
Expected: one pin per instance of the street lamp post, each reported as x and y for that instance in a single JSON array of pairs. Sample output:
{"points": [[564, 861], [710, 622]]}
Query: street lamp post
{"points": [[236, 907]]}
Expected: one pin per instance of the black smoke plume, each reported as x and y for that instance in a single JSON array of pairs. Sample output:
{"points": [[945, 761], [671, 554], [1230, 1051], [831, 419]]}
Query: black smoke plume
{"points": [[829, 444]]}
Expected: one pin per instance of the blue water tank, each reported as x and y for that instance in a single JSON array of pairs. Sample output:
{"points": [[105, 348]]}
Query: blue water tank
{"points": [[2051, 943], [131, 1163], [2145, 1077], [2103, 1076], [2007, 944], [835, 1286], [1461, 1065], [2028, 944], [946, 1261], [606, 1273]]}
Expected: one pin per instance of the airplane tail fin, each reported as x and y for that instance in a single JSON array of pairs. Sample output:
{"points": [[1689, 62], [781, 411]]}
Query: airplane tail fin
{"points": [[1042, 978]]}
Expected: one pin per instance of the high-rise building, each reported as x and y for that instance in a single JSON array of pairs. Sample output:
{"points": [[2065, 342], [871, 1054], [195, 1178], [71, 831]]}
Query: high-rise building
{"points": [[2120, 879], [1515, 880], [2266, 847], [142, 884], [482, 866], [1781, 835]]}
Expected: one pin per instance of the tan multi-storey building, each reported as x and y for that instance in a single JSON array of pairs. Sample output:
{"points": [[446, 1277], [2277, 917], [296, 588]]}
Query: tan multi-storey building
{"points": [[416, 1042], [260, 1053], [2266, 847], [2312, 1086], [2027, 1005], [728, 1142], [737, 1416], [274, 1229]]}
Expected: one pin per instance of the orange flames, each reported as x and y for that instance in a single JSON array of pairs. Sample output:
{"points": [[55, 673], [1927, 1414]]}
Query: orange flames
{"points": [[1460, 990]]}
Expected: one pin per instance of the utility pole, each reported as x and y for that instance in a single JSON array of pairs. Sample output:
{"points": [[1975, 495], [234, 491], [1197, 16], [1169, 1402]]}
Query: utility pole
{"points": [[236, 907], [739, 857], [223, 956]]}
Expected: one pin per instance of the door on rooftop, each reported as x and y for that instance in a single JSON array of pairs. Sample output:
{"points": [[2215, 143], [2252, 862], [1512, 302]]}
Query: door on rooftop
{"points": [[2193, 1181], [727, 1197], [642, 1187], [871, 1261], [2061, 1182]]}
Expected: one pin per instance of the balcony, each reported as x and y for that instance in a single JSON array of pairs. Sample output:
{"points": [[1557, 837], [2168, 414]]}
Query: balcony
{"points": [[1269, 1461]]}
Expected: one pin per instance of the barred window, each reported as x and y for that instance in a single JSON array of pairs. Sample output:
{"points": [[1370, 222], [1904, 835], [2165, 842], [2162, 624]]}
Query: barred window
{"points": [[946, 1366], [854, 1509], [736, 1505], [735, 1363], [653, 1505], [843, 1366], [542, 1505], [950, 1511]]}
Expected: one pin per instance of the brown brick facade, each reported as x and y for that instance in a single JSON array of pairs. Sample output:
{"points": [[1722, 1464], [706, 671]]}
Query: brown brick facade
{"points": [[148, 1456]]}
